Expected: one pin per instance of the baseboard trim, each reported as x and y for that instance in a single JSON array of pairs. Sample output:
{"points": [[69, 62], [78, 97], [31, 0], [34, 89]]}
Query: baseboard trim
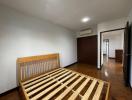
{"points": [[70, 65], [9, 91]]}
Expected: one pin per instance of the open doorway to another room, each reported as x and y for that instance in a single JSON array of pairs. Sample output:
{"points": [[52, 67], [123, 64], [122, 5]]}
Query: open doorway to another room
{"points": [[112, 47]]}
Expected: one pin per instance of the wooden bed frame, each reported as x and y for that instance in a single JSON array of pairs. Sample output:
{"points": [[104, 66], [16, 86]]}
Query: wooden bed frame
{"points": [[41, 78]]}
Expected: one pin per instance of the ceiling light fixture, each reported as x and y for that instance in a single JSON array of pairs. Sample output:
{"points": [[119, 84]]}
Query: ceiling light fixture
{"points": [[85, 19]]}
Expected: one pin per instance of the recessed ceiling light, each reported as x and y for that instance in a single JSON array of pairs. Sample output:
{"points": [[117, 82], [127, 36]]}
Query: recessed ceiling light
{"points": [[85, 19]]}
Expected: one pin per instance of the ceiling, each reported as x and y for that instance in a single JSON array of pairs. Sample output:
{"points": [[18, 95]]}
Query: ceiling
{"points": [[69, 13]]}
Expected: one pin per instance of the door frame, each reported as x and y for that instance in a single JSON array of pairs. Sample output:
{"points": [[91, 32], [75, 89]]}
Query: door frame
{"points": [[101, 42]]}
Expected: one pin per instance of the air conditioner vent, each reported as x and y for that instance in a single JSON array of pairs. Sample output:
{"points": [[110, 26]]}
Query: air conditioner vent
{"points": [[86, 31]]}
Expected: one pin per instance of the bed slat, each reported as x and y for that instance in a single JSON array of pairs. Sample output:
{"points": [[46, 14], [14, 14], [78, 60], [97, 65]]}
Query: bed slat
{"points": [[54, 82], [47, 84], [53, 86], [98, 91], [44, 77], [61, 87], [46, 80], [75, 94], [40, 76], [89, 91]]}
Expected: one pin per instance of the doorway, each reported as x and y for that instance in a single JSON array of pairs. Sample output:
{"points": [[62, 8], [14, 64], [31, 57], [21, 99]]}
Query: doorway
{"points": [[112, 42]]}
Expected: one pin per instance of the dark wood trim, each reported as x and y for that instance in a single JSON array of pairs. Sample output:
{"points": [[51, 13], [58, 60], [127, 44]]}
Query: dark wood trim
{"points": [[9, 91], [71, 64], [100, 35], [113, 30]]}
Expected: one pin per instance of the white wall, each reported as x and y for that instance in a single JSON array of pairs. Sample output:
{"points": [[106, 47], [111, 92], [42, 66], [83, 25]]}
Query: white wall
{"points": [[109, 25], [130, 19], [116, 41], [22, 35]]}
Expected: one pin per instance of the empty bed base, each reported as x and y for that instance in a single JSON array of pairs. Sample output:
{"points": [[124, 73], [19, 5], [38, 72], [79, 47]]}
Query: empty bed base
{"points": [[65, 84]]}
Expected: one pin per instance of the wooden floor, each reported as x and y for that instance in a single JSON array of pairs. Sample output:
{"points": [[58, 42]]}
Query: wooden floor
{"points": [[111, 72]]}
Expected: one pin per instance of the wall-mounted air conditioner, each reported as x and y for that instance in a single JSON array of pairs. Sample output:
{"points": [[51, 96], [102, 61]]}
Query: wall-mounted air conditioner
{"points": [[85, 32]]}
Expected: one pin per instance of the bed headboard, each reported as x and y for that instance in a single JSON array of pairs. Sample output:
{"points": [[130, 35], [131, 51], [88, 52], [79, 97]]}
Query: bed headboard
{"points": [[30, 67]]}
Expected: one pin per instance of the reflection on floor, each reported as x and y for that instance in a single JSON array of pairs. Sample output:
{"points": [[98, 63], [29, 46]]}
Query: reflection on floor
{"points": [[111, 72]]}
